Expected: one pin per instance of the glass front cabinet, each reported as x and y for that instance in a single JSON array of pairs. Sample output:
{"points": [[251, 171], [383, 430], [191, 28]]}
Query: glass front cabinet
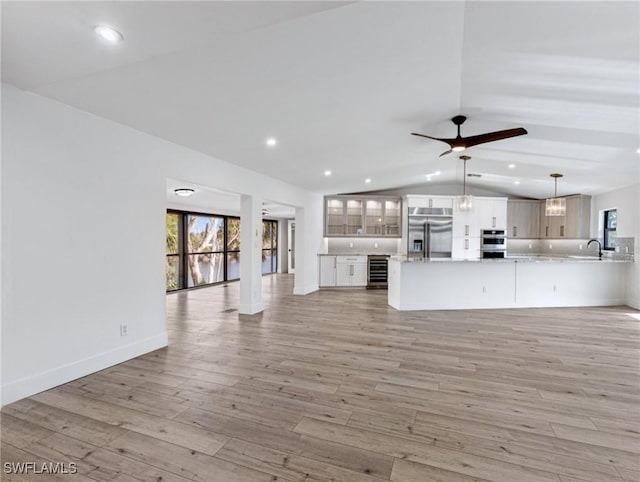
{"points": [[367, 216]]}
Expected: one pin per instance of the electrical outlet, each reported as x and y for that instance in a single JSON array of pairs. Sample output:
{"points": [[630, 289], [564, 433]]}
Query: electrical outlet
{"points": [[123, 329], [375, 245], [580, 247], [351, 245], [550, 246], [530, 245], [617, 249]]}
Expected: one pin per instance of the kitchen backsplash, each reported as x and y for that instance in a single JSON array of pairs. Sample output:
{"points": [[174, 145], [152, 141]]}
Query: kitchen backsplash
{"points": [[569, 247], [362, 245]]}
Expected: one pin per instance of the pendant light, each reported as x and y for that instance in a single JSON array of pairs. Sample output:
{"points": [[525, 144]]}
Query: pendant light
{"points": [[465, 202], [555, 206]]}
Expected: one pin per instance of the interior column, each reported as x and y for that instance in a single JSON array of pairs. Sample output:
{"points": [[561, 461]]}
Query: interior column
{"points": [[250, 255]]}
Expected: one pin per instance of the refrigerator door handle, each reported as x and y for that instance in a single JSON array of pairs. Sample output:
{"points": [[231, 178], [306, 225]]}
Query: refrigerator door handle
{"points": [[428, 240]]}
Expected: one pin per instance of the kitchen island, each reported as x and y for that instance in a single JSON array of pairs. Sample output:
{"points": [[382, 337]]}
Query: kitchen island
{"points": [[447, 284]]}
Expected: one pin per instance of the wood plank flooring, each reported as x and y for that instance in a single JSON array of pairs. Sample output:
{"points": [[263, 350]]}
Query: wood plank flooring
{"points": [[337, 386]]}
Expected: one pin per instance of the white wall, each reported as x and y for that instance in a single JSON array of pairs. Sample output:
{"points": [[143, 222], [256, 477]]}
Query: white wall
{"points": [[438, 189], [627, 202], [83, 220]]}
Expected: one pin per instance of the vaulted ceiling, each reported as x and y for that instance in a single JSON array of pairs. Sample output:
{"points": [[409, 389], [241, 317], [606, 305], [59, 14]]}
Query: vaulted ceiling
{"points": [[342, 84]]}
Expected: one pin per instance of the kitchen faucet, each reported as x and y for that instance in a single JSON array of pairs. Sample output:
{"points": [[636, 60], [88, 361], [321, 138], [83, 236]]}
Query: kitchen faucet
{"points": [[599, 246]]}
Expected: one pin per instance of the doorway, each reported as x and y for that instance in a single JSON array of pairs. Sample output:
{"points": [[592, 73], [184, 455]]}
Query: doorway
{"points": [[291, 238]]}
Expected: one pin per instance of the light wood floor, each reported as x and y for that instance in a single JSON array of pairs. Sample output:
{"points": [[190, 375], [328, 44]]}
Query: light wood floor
{"points": [[337, 386]]}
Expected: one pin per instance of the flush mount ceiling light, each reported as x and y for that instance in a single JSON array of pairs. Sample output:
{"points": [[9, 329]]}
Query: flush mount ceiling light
{"points": [[465, 202], [109, 34], [555, 206], [183, 191], [271, 142]]}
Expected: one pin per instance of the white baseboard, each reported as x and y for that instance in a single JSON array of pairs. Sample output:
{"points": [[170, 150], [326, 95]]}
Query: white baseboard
{"points": [[28, 386], [250, 309], [633, 303], [305, 290]]}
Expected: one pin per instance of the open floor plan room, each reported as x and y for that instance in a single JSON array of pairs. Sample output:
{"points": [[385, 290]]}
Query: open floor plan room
{"points": [[339, 386]]}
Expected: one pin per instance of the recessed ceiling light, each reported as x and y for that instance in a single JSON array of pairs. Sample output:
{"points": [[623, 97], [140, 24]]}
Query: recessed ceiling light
{"points": [[367, 180], [271, 142], [516, 182], [638, 150], [437, 173], [512, 166], [107, 33], [183, 191], [327, 173]]}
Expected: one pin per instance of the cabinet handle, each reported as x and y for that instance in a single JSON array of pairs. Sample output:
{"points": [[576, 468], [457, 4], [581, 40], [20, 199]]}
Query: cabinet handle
{"points": [[466, 244], [350, 270], [562, 230], [493, 221], [466, 230], [430, 203], [546, 231], [515, 231]]}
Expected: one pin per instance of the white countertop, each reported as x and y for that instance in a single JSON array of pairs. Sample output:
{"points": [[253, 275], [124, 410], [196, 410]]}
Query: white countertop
{"points": [[358, 254], [517, 259]]}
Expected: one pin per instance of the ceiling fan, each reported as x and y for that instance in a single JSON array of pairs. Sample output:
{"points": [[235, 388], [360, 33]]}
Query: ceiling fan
{"points": [[460, 143]]}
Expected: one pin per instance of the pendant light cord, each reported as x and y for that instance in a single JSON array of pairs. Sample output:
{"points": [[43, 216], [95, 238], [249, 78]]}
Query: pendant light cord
{"points": [[464, 178]]}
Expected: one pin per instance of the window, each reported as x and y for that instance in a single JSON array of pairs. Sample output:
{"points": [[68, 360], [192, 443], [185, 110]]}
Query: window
{"points": [[205, 249], [269, 247], [610, 228], [173, 265], [233, 248]]}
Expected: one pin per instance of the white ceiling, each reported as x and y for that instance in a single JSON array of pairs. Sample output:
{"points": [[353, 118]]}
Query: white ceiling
{"points": [[208, 199], [341, 85]]}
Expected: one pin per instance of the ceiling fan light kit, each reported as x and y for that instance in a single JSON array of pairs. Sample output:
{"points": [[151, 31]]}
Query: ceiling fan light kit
{"points": [[460, 143], [555, 206], [465, 202]]}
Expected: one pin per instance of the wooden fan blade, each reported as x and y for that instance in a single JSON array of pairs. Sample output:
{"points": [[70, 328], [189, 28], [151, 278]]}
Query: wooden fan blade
{"points": [[493, 136], [448, 141], [445, 153]]}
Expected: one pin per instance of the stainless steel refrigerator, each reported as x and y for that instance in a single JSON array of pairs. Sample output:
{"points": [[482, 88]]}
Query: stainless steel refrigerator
{"points": [[430, 233]]}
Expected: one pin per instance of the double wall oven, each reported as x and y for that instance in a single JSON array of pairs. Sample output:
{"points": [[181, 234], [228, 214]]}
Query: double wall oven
{"points": [[493, 243]]}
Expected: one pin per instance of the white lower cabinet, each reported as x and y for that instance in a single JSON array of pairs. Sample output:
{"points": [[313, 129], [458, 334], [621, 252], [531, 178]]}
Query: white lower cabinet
{"points": [[327, 271], [351, 270], [466, 248]]}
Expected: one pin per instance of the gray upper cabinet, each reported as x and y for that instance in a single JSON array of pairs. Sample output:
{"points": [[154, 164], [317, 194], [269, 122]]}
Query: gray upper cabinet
{"points": [[367, 216], [578, 219], [575, 224], [523, 218]]}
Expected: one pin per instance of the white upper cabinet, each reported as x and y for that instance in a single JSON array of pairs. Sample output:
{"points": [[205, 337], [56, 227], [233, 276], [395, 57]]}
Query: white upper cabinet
{"points": [[491, 212], [465, 223], [420, 201], [367, 216]]}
